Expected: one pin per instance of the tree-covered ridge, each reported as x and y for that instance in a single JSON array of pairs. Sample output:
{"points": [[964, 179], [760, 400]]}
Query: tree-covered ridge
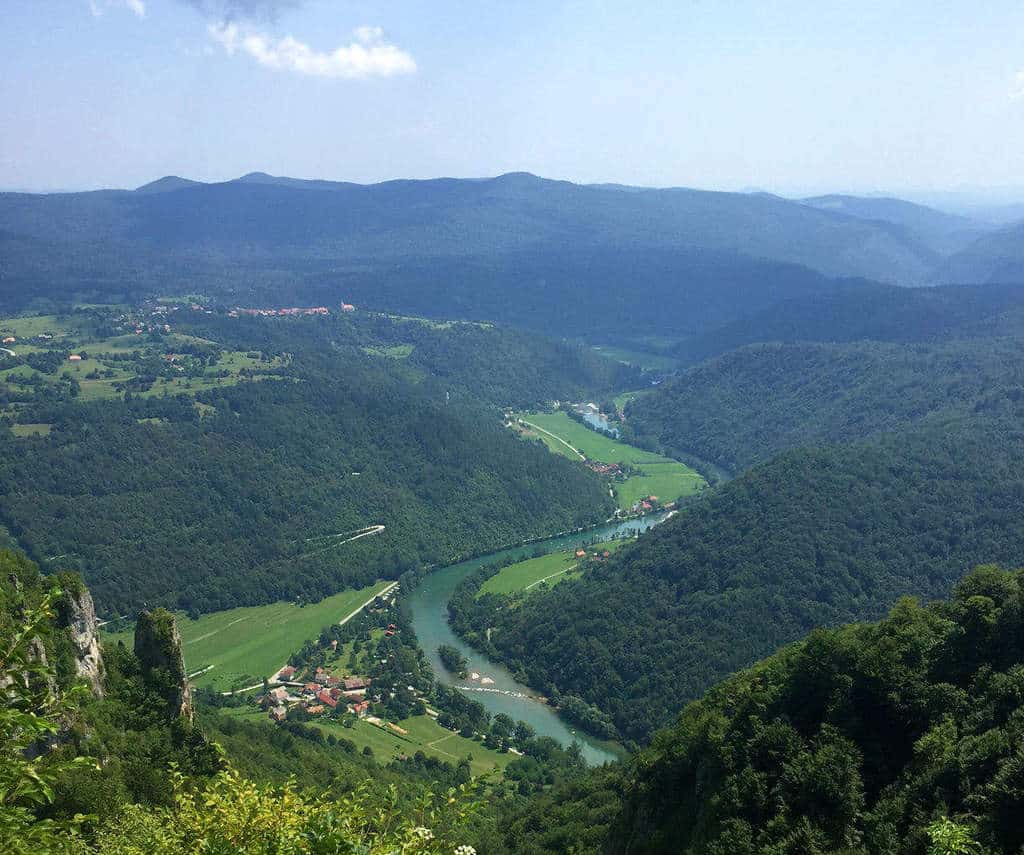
{"points": [[872, 312], [855, 740], [811, 538], [153, 502], [750, 404]]}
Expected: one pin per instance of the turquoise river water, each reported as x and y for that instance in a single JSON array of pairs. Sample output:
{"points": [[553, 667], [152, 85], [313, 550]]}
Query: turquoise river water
{"points": [[495, 687]]}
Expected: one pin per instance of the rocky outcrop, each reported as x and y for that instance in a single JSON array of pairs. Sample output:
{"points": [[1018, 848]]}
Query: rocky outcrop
{"points": [[158, 648], [77, 617]]}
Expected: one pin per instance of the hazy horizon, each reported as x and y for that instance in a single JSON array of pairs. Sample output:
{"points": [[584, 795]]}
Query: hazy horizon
{"points": [[891, 98]]}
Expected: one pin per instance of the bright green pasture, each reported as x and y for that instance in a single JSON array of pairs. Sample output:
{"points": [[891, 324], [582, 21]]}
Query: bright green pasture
{"points": [[550, 569], [659, 476], [246, 644], [596, 446]]}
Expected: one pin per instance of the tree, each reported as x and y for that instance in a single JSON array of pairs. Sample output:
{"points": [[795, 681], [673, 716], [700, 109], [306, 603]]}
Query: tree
{"points": [[31, 714]]}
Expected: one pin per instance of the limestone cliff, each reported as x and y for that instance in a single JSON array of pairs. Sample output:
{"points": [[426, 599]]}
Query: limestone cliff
{"points": [[77, 617], [158, 647]]}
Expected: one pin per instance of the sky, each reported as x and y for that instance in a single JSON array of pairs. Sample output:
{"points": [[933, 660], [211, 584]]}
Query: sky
{"points": [[791, 97]]}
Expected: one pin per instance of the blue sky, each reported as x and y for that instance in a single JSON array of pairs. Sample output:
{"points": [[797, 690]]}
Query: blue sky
{"points": [[787, 96]]}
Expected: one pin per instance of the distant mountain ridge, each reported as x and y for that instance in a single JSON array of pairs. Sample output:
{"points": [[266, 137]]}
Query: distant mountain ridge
{"points": [[492, 237], [569, 259]]}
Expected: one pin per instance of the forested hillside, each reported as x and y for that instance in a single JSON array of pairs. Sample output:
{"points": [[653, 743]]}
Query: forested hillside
{"points": [[811, 538], [856, 740], [747, 405], [901, 736], [243, 493], [873, 312]]}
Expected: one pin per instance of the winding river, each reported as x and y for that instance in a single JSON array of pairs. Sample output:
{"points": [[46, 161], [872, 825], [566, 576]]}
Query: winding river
{"points": [[429, 606]]}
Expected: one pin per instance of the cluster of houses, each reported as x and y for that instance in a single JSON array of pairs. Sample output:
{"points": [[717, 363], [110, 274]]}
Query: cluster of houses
{"points": [[266, 313], [611, 469], [321, 693], [595, 555], [651, 503]]}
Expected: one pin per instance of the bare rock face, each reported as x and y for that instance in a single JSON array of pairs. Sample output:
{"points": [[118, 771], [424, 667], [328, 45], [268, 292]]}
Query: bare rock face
{"points": [[158, 647], [77, 616]]}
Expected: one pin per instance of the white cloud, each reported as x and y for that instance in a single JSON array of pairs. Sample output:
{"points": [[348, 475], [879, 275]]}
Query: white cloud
{"points": [[368, 55], [98, 7], [1017, 91]]}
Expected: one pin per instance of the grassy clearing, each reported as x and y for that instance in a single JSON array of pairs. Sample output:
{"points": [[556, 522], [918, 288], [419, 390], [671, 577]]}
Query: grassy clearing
{"points": [[623, 399], [640, 359], [246, 644], [33, 325], [36, 429], [658, 476], [596, 446], [423, 734], [548, 569], [396, 351]]}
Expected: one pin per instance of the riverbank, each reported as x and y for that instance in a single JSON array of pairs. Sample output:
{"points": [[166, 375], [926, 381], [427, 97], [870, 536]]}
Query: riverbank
{"points": [[428, 605]]}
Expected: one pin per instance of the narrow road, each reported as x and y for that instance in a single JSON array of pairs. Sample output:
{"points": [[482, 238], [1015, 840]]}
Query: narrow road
{"points": [[358, 533], [575, 450], [551, 576]]}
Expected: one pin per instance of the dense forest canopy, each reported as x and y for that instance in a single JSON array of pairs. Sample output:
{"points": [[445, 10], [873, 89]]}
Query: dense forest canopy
{"points": [[749, 404]]}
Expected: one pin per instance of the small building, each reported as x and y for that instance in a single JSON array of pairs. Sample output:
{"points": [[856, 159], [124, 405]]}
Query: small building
{"points": [[74, 357], [10, 339], [286, 673], [311, 688], [347, 307], [335, 693], [316, 709], [581, 553], [278, 713], [278, 694], [334, 645], [353, 683], [362, 708]]}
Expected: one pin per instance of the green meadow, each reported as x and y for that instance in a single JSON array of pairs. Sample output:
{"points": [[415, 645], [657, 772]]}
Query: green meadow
{"points": [[422, 734], [658, 476], [549, 569], [246, 644]]}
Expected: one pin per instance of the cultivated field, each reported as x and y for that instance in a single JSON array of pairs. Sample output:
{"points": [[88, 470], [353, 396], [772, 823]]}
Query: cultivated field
{"points": [[549, 569], [659, 476], [246, 644]]}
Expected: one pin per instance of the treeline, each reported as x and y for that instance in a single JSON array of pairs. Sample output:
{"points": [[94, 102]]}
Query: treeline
{"points": [[215, 511], [812, 538]]}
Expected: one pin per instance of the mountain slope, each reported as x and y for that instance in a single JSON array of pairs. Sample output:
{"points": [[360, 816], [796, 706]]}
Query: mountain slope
{"points": [[942, 232], [866, 311], [812, 538], [749, 404], [996, 257], [486, 238]]}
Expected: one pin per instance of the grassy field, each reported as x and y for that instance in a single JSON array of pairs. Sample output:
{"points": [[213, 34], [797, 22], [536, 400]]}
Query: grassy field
{"points": [[423, 734], [33, 429], [245, 645], [623, 399], [659, 476], [638, 358], [70, 339], [552, 568], [395, 351]]}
